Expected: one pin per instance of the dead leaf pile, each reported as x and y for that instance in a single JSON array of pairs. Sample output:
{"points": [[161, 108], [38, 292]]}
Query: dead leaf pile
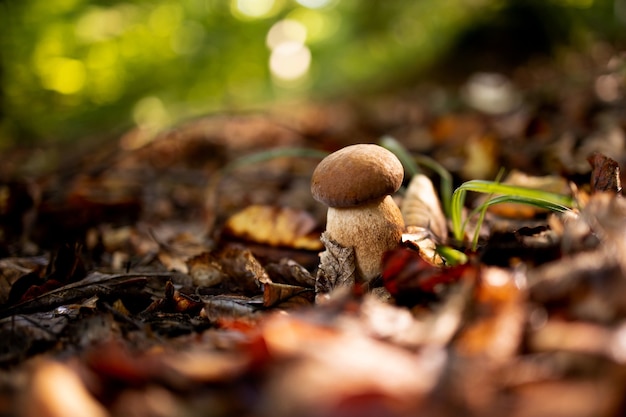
{"points": [[162, 276]]}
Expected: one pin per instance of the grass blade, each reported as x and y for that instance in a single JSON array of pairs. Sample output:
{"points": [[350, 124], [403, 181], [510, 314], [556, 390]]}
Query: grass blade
{"points": [[506, 193]]}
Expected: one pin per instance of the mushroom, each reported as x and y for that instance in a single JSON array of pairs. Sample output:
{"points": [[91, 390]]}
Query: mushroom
{"points": [[356, 184]]}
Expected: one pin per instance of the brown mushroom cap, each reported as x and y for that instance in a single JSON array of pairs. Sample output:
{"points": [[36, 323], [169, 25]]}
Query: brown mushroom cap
{"points": [[355, 175]]}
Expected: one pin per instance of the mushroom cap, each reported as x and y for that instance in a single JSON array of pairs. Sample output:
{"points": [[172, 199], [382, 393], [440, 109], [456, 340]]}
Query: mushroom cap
{"points": [[355, 175]]}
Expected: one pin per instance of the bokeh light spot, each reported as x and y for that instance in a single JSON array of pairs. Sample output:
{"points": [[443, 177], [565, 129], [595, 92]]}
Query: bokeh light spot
{"points": [[253, 8], [285, 31], [150, 113], [290, 61], [316, 4], [99, 24], [64, 75], [320, 25]]}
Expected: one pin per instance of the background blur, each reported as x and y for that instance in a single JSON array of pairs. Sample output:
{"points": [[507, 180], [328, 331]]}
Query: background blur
{"points": [[77, 68]]}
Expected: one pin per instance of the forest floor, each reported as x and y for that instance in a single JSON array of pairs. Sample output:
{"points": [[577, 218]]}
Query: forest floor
{"points": [[175, 275]]}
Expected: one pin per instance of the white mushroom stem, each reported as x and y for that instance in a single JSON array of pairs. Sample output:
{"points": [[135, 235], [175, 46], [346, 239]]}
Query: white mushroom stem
{"points": [[371, 229]]}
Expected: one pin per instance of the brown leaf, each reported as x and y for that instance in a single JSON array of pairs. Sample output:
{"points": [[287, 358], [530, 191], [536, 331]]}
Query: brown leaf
{"points": [[20, 333], [275, 226], [227, 309], [337, 267], [206, 270], [604, 173], [288, 271], [66, 267], [13, 269], [274, 294], [245, 273], [421, 240], [95, 284], [421, 207], [181, 247], [183, 303]]}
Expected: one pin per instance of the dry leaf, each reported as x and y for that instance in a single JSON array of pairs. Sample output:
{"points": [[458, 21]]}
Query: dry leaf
{"points": [[412, 280], [274, 294], [421, 207], [604, 174], [13, 269], [181, 247], [177, 302], [337, 267], [421, 240], [225, 309], [275, 226], [206, 270], [245, 273], [288, 271]]}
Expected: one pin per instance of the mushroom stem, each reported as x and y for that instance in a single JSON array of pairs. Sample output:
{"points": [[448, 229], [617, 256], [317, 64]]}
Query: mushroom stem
{"points": [[371, 229]]}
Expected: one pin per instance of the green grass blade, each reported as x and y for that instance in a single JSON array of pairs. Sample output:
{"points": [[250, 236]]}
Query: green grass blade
{"points": [[483, 212], [452, 256], [507, 193]]}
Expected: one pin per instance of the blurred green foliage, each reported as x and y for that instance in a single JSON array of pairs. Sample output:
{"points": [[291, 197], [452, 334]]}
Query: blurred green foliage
{"points": [[74, 68]]}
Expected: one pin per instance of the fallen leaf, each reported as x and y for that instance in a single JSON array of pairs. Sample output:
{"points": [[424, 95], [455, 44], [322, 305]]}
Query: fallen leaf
{"points": [[422, 240], [412, 280], [13, 269], [274, 294], [206, 270], [421, 208], [95, 284], [66, 267], [228, 309], [337, 267], [175, 301], [245, 273], [604, 174], [20, 333], [287, 271], [275, 226], [174, 253]]}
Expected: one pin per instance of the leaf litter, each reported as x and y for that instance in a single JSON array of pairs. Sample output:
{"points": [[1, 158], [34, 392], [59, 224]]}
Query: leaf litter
{"points": [[154, 280]]}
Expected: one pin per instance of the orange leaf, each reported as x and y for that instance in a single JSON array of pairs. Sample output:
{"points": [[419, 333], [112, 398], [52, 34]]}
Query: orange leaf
{"points": [[275, 226]]}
